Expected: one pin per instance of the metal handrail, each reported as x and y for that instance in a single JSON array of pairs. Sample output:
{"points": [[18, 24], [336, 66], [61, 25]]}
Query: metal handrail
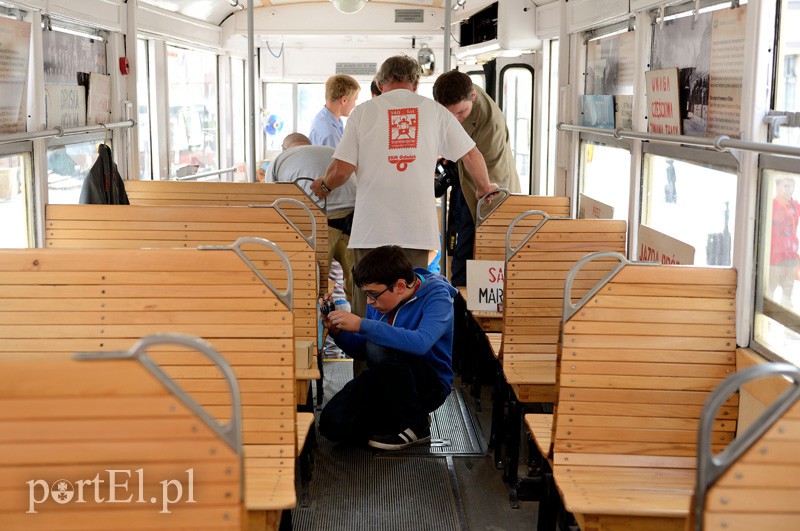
{"points": [[479, 217], [206, 174], [571, 309], [709, 466], [231, 432], [720, 143], [57, 131], [286, 296]]}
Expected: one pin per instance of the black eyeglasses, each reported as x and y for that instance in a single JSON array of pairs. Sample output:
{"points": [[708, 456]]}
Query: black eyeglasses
{"points": [[374, 296]]}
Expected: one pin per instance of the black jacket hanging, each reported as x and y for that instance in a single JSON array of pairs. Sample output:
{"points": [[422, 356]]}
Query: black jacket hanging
{"points": [[103, 185]]}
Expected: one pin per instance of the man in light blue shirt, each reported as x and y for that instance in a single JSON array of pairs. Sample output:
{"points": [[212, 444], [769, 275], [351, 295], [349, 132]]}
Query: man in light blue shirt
{"points": [[341, 93]]}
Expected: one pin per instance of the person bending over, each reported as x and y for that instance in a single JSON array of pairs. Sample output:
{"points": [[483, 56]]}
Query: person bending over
{"points": [[406, 340]]}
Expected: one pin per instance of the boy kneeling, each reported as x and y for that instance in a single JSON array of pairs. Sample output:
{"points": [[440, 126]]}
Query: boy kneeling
{"points": [[406, 340]]}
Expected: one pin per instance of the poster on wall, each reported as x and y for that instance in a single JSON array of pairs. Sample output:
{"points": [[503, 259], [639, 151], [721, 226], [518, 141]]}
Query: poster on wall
{"points": [[685, 43], [590, 208], [98, 105], [65, 55], [656, 246], [663, 101], [65, 105], [14, 45], [623, 111], [610, 66], [727, 71], [598, 111]]}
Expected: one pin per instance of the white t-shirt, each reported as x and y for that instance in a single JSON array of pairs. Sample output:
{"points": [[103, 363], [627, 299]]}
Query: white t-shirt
{"points": [[394, 141]]}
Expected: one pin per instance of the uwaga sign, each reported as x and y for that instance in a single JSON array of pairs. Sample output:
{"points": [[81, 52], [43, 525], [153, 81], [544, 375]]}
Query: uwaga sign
{"points": [[663, 102], [485, 285]]}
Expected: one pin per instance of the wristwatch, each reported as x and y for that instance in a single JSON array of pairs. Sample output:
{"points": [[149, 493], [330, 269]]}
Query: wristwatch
{"points": [[325, 188]]}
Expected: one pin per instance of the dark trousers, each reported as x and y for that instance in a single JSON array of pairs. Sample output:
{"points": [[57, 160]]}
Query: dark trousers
{"points": [[395, 392], [465, 239]]}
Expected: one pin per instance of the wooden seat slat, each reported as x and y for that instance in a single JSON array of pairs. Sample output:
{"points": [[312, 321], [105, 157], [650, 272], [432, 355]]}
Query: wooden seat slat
{"points": [[261, 348], [188, 227], [239, 194], [162, 437]]}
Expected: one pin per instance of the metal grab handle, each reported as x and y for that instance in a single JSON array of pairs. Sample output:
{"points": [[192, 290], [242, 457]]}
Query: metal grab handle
{"points": [[710, 467], [231, 432], [310, 240], [287, 296], [511, 251], [495, 204], [571, 309], [324, 205]]}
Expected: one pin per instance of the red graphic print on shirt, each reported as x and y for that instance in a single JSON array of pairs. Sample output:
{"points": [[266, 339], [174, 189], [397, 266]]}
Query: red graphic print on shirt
{"points": [[403, 125]]}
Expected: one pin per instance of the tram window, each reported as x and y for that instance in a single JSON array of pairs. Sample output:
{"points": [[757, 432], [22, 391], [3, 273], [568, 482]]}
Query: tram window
{"points": [[552, 132], [606, 176], [517, 104], [143, 113], [14, 171], [787, 68], [193, 111], [777, 320], [425, 89], [310, 99], [278, 117], [691, 203], [67, 167], [478, 78]]}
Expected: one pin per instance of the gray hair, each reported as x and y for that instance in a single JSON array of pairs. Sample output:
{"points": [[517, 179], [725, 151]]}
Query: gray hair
{"points": [[400, 68]]}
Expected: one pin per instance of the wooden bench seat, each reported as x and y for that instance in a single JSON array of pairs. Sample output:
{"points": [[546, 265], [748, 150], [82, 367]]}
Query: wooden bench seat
{"points": [[640, 354], [540, 426], [538, 252], [65, 420], [240, 194], [533, 294], [118, 227], [493, 220], [755, 482], [67, 300]]}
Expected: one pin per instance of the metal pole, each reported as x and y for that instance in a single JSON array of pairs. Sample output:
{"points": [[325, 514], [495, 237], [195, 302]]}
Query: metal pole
{"points": [[251, 78], [720, 143], [448, 10]]}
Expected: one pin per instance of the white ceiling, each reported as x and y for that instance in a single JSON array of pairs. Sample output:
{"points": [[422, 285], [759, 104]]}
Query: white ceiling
{"points": [[216, 11]]}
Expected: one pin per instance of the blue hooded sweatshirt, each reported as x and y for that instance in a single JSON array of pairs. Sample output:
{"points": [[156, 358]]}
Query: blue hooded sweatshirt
{"points": [[423, 326]]}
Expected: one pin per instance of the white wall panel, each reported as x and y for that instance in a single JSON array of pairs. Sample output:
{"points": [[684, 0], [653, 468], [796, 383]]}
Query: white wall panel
{"points": [[105, 14], [548, 21], [584, 14]]}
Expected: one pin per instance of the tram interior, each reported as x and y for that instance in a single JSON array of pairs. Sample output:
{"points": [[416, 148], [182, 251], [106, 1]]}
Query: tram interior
{"points": [[675, 118]]}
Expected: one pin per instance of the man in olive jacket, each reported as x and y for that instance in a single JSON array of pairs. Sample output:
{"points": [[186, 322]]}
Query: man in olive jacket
{"points": [[483, 120]]}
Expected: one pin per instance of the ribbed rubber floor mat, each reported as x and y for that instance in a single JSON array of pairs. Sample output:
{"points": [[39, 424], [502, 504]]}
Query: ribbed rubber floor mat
{"points": [[354, 489], [454, 430]]}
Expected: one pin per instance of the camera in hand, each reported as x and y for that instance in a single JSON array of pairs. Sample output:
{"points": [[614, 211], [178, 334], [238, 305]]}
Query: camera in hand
{"points": [[327, 307], [446, 173]]}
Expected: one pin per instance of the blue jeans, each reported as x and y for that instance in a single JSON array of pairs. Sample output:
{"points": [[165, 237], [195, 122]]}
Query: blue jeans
{"points": [[395, 392]]}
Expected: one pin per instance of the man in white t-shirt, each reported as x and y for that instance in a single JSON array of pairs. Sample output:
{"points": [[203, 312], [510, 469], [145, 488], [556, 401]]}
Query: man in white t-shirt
{"points": [[392, 142]]}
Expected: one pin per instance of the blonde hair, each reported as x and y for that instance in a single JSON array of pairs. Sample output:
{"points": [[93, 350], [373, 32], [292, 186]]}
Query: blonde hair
{"points": [[339, 86]]}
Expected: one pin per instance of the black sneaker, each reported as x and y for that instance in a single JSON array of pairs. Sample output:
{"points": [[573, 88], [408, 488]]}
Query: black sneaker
{"points": [[404, 439]]}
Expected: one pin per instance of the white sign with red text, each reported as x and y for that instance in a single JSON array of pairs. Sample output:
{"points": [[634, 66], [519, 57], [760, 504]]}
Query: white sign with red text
{"points": [[485, 285]]}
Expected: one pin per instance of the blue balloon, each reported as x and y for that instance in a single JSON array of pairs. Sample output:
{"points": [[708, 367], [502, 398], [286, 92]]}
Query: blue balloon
{"points": [[274, 125]]}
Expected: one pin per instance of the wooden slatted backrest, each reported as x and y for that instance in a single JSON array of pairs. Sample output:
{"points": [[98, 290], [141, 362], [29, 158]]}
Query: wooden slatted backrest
{"points": [[65, 421], [237, 194], [491, 231], [115, 226], [70, 300], [755, 483], [639, 358], [534, 290]]}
